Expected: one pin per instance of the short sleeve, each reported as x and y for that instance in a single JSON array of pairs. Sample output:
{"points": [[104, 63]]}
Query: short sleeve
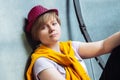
{"points": [[42, 64], [76, 45]]}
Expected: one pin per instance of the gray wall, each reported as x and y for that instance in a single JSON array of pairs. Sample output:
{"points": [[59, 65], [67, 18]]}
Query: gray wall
{"points": [[100, 16]]}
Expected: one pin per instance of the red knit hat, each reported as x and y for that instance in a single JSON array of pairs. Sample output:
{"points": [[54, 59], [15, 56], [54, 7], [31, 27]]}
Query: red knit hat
{"points": [[34, 13]]}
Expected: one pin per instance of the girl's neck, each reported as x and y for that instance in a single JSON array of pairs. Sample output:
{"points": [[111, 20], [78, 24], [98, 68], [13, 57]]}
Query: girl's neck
{"points": [[54, 46]]}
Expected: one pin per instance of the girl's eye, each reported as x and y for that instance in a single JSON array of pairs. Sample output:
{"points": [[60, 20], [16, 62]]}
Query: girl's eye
{"points": [[42, 27], [54, 23]]}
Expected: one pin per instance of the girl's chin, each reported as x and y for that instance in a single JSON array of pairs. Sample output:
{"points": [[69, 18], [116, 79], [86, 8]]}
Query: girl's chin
{"points": [[55, 39]]}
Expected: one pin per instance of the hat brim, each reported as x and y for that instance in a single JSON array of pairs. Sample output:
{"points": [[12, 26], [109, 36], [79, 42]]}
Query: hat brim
{"points": [[54, 10]]}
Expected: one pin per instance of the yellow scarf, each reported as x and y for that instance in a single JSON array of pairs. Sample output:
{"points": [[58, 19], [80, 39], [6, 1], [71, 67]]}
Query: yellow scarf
{"points": [[74, 70]]}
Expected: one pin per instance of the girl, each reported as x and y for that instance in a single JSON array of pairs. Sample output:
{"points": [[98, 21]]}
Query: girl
{"points": [[56, 60]]}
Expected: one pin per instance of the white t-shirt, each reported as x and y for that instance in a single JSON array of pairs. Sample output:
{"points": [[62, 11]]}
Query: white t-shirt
{"points": [[43, 63]]}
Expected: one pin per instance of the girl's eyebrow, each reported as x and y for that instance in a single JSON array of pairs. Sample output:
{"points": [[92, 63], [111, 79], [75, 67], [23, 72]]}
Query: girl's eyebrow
{"points": [[54, 20]]}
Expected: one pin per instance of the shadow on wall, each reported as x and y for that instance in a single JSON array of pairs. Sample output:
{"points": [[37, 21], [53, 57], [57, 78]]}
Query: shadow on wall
{"points": [[32, 44], [28, 53]]}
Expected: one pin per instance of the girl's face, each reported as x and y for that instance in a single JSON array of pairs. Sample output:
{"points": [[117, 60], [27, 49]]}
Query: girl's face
{"points": [[49, 33]]}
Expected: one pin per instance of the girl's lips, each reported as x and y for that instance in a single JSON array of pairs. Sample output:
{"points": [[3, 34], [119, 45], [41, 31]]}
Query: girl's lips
{"points": [[53, 35]]}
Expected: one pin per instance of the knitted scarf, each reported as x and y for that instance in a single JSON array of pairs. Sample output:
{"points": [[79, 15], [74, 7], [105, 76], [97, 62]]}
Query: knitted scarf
{"points": [[74, 70]]}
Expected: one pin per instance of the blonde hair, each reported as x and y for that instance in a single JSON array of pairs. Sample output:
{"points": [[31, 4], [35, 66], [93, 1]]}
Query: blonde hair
{"points": [[42, 20]]}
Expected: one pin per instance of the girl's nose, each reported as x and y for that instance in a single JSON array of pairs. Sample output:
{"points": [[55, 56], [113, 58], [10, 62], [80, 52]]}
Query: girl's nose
{"points": [[51, 28]]}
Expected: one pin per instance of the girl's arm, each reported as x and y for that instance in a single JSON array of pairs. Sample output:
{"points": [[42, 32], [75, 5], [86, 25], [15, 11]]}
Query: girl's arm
{"points": [[50, 74], [93, 49]]}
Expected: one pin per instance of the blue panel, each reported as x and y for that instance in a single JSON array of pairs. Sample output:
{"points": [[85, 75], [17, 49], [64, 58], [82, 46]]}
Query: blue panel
{"points": [[101, 18]]}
